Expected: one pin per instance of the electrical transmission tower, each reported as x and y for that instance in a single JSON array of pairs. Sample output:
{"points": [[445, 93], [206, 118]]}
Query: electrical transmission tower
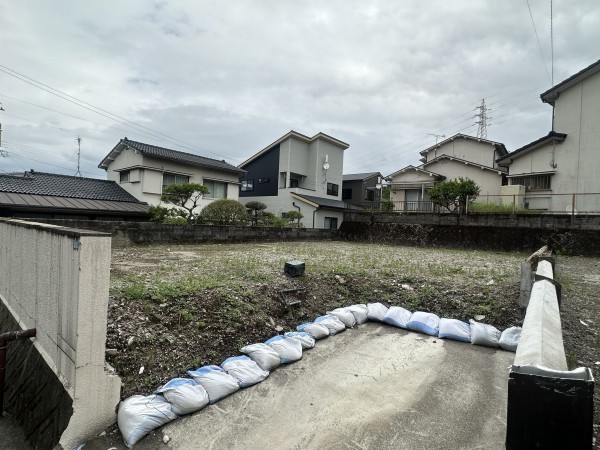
{"points": [[78, 139], [482, 121]]}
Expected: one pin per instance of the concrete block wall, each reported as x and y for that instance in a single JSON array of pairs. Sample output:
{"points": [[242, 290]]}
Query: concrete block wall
{"points": [[56, 280]]}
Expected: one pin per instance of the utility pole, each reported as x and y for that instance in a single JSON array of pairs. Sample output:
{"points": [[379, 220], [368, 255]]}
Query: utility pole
{"points": [[482, 120], [78, 155], [2, 152]]}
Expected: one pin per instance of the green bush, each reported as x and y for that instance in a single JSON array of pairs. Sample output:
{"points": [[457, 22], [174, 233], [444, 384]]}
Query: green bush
{"points": [[176, 220], [224, 212]]}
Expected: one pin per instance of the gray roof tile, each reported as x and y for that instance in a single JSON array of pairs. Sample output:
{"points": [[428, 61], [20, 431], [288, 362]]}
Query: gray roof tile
{"points": [[172, 155], [66, 186]]}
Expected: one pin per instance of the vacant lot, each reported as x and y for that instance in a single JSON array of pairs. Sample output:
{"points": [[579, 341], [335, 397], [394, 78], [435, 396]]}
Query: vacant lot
{"points": [[178, 307]]}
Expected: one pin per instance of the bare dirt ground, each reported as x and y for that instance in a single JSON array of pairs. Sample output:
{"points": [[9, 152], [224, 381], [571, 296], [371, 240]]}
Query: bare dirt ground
{"points": [[173, 308]]}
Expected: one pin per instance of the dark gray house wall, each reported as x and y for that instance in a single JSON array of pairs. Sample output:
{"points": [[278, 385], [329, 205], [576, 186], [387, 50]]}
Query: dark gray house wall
{"points": [[358, 188], [264, 174]]}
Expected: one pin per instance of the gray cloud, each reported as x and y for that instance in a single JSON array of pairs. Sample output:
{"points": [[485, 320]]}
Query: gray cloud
{"points": [[229, 78]]}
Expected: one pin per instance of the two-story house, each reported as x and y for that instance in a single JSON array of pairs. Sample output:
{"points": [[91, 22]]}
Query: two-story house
{"points": [[458, 156], [298, 173], [144, 170], [362, 189], [562, 167]]}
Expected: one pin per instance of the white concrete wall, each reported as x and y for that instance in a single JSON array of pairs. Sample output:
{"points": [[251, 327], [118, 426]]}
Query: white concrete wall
{"points": [[56, 280], [577, 158], [489, 182], [467, 149]]}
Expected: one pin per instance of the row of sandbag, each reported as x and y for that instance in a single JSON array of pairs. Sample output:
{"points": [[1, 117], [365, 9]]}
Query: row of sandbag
{"points": [[138, 415], [474, 332]]}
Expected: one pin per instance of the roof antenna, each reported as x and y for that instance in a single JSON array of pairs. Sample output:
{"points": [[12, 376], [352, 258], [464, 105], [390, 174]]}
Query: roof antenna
{"points": [[437, 136], [78, 173]]}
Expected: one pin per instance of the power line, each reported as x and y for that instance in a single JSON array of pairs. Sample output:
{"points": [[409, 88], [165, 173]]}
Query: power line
{"points": [[100, 111], [538, 41]]}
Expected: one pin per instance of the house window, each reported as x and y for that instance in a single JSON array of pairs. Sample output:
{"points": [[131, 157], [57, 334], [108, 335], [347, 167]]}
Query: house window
{"points": [[171, 178], [124, 176], [294, 181], [264, 180], [346, 194], [331, 223], [533, 182], [369, 195], [216, 189], [247, 185], [332, 189]]}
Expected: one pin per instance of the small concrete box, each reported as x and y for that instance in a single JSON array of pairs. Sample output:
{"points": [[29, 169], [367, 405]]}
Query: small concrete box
{"points": [[294, 268]]}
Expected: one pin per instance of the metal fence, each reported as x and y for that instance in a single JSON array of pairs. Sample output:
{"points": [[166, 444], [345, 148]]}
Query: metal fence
{"points": [[530, 203]]}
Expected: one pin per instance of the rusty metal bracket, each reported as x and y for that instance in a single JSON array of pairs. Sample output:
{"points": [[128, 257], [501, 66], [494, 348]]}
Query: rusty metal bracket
{"points": [[556, 284], [5, 338], [287, 302]]}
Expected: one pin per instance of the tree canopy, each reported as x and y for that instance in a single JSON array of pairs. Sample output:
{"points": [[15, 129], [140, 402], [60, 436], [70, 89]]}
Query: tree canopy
{"points": [[454, 194], [224, 212], [184, 195]]}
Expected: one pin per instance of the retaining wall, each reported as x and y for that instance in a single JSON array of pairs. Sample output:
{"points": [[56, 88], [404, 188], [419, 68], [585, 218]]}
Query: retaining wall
{"points": [[475, 234], [56, 280], [125, 234]]}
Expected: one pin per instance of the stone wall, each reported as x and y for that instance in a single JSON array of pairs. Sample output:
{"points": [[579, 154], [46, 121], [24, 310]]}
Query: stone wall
{"points": [[565, 241], [34, 395], [125, 234]]}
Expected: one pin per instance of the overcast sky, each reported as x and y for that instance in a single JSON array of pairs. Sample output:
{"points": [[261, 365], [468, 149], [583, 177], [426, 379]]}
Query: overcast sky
{"points": [[225, 79]]}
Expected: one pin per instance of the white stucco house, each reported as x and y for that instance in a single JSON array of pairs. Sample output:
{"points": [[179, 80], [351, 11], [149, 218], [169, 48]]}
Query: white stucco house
{"points": [[144, 170], [458, 156], [298, 173], [560, 170]]}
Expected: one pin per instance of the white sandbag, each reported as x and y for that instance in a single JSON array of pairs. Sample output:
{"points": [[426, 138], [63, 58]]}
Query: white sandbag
{"points": [[305, 339], [316, 330], [397, 317], [360, 312], [345, 316], [185, 395], [217, 383], [376, 311], [263, 355], [482, 334], [244, 370], [424, 322], [333, 324], [509, 339], [138, 415], [454, 329], [289, 349]]}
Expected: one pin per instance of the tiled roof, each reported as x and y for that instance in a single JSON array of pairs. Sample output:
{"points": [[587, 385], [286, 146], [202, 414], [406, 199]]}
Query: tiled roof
{"points": [[552, 94], [552, 136], [52, 184], [418, 169], [360, 176], [499, 145], [326, 202], [166, 153], [30, 202]]}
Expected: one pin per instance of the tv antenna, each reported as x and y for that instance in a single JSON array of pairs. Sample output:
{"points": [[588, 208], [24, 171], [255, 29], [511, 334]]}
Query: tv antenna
{"points": [[437, 136], [78, 139]]}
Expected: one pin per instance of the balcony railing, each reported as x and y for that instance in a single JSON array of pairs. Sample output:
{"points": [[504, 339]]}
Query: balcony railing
{"points": [[530, 203]]}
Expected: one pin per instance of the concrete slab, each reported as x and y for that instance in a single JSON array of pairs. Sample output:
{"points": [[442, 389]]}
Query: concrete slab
{"points": [[373, 387]]}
